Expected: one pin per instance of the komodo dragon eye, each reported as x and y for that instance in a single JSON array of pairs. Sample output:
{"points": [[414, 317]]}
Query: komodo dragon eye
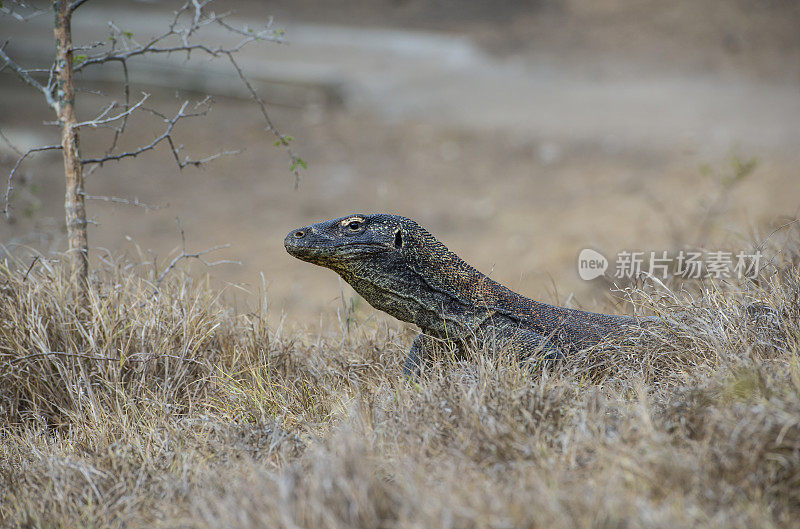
{"points": [[354, 225]]}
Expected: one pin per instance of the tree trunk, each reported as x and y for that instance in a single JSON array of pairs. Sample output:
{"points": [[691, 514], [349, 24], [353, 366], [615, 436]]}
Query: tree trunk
{"points": [[74, 203]]}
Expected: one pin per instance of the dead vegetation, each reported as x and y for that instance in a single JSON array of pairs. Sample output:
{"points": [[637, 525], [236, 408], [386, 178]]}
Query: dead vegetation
{"points": [[167, 408]]}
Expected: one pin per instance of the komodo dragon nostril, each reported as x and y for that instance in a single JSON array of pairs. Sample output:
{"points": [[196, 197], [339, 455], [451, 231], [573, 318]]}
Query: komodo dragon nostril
{"points": [[299, 234]]}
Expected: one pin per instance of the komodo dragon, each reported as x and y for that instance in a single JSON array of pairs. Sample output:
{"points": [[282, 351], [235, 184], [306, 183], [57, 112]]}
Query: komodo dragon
{"points": [[403, 270]]}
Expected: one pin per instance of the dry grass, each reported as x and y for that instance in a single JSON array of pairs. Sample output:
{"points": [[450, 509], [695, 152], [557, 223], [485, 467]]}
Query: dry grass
{"points": [[166, 408]]}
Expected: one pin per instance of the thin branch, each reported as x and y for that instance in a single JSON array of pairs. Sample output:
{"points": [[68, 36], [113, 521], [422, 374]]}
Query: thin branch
{"points": [[111, 106], [198, 16], [87, 47], [90, 91], [165, 136], [99, 121], [130, 154], [151, 48], [2, 48], [22, 18], [197, 163], [76, 4], [51, 80], [25, 76], [220, 20], [176, 38], [165, 43], [10, 186], [283, 140], [196, 255], [10, 145], [126, 201], [121, 129], [183, 34], [35, 260]]}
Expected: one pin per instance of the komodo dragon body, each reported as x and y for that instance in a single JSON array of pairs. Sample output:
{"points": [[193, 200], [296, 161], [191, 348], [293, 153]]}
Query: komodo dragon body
{"points": [[403, 270]]}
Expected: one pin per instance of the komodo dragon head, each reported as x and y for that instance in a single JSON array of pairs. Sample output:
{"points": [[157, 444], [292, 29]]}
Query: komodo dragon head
{"points": [[391, 261], [340, 243]]}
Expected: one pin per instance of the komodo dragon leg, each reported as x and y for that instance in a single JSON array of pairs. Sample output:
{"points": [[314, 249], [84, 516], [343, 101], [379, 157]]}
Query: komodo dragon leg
{"points": [[529, 347], [420, 353]]}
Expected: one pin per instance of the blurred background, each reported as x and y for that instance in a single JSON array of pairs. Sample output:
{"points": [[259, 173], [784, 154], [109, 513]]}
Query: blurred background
{"points": [[518, 133]]}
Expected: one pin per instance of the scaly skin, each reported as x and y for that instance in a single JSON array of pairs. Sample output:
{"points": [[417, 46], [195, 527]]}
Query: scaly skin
{"points": [[403, 270]]}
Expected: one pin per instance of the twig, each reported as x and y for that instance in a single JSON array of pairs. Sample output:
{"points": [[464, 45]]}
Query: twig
{"points": [[152, 45], [22, 18], [10, 186], [165, 136], [246, 33], [176, 38], [283, 140], [76, 4], [25, 76], [35, 260], [2, 48], [11, 145], [156, 46], [87, 47], [90, 91], [127, 90], [111, 106], [128, 202], [196, 255], [99, 121]]}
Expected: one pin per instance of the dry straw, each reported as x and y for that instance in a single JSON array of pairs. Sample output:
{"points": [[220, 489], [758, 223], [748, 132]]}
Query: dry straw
{"points": [[168, 408]]}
